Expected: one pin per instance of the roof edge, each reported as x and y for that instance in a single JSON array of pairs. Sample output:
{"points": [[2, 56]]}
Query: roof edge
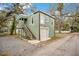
{"points": [[43, 13]]}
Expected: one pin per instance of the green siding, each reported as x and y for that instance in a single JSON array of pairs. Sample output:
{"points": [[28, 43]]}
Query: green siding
{"points": [[51, 27], [33, 24], [49, 22]]}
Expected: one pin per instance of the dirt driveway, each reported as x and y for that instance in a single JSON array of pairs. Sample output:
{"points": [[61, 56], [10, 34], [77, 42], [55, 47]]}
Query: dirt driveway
{"points": [[11, 45], [67, 46]]}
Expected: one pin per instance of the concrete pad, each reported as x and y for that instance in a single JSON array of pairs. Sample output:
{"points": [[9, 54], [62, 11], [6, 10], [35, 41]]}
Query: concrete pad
{"points": [[34, 41]]}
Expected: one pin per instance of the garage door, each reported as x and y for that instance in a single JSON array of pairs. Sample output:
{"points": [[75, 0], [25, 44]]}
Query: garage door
{"points": [[44, 32]]}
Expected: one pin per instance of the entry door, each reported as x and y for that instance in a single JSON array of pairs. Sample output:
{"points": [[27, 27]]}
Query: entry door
{"points": [[44, 33]]}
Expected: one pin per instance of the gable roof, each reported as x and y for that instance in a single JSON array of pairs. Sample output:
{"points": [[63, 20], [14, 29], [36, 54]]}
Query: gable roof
{"points": [[25, 16], [43, 13]]}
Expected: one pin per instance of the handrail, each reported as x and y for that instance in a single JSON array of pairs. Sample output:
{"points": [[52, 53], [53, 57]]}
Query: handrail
{"points": [[25, 27]]}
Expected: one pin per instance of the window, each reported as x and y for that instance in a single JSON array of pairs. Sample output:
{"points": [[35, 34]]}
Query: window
{"points": [[25, 19], [32, 20], [20, 19], [42, 19]]}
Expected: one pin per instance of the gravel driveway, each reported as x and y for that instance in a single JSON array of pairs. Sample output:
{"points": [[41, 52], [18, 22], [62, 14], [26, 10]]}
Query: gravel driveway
{"points": [[11, 45], [68, 46]]}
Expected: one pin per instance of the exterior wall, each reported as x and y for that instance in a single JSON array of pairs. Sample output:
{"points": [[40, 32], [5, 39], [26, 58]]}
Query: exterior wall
{"points": [[33, 24], [51, 27], [40, 20], [48, 22], [19, 30], [44, 20], [19, 25]]}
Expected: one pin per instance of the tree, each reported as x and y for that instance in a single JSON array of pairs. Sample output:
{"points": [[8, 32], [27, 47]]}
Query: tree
{"points": [[33, 9], [52, 12], [59, 8], [15, 9], [2, 18], [75, 22]]}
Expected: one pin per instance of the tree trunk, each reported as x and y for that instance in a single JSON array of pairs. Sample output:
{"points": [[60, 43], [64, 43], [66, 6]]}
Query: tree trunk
{"points": [[59, 26], [13, 27]]}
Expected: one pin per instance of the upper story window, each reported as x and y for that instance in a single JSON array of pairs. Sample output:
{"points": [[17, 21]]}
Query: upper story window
{"points": [[32, 20], [42, 19], [23, 19]]}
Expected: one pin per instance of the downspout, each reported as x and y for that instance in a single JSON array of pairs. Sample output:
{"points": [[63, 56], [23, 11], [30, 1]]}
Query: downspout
{"points": [[39, 26]]}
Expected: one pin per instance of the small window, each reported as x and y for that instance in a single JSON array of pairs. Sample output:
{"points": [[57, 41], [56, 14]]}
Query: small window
{"points": [[22, 19], [32, 20], [25, 19], [42, 20]]}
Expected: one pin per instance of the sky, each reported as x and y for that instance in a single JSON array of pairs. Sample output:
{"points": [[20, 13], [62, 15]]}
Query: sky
{"points": [[46, 6], [68, 7], [42, 6]]}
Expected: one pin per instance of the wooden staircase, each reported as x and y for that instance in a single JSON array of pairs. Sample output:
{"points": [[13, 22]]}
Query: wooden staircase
{"points": [[28, 32]]}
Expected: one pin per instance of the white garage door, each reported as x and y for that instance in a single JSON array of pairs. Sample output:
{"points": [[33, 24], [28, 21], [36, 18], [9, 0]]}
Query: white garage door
{"points": [[44, 32]]}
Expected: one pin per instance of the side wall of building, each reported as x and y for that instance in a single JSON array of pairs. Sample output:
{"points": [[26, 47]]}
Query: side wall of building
{"points": [[33, 24], [51, 27]]}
